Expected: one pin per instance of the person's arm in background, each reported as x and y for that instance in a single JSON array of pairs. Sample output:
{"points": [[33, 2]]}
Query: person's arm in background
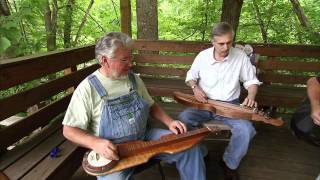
{"points": [[313, 89], [175, 126]]}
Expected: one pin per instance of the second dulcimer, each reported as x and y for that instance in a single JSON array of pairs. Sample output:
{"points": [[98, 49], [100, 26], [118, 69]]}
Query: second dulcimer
{"points": [[226, 109]]}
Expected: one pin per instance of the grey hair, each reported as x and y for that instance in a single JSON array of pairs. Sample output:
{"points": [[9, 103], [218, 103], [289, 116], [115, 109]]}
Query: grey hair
{"points": [[221, 29], [108, 44]]}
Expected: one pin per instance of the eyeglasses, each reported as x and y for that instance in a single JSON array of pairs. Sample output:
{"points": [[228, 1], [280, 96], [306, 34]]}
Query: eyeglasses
{"points": [[124, 59]]}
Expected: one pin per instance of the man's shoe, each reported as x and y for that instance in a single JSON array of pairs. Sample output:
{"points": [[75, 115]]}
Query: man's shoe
{"points": [[229, 174]]}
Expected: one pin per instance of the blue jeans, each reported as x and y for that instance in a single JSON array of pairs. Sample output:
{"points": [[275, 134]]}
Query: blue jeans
{"points": [[189, 163], [242, 132]]}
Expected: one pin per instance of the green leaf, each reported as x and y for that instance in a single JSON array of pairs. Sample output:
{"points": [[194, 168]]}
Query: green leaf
{"points": [[4, 44]]}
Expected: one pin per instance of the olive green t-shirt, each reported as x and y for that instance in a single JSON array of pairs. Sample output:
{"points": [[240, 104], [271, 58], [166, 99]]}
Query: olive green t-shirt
{"points": [[85, 107]]}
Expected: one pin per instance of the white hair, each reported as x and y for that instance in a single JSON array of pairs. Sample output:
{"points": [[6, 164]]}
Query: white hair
{"points": [[108, 44]]}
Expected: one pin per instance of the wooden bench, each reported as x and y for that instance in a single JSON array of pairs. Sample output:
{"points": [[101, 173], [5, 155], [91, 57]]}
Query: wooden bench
{"points": [[36, 135], [163, 73]]}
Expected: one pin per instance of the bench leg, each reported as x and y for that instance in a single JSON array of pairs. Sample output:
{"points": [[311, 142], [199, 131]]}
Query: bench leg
{"points": [[163, 177]]}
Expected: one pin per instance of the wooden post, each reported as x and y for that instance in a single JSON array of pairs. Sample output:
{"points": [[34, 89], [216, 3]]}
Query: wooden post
{"points": [[125, 11]]}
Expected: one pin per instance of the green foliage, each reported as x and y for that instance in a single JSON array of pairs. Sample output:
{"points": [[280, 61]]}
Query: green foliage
{"points": [[4, 44], [24, 33]]}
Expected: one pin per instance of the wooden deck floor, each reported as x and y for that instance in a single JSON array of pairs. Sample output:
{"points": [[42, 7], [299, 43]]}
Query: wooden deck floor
{"points": [[273, 155]]}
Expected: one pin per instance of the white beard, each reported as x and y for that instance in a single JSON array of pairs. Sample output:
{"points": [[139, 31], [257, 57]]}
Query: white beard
{"points": [[118, 76]]}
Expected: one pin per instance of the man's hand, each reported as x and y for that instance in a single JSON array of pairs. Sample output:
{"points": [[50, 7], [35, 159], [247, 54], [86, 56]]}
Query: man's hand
{"points": [[250, 102], [177, 127], [200, 95], [106, 148], [315, 115]]}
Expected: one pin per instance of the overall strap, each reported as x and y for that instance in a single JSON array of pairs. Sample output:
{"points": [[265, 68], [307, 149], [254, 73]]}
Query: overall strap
{"points": [[132, 80], [93, 80]]}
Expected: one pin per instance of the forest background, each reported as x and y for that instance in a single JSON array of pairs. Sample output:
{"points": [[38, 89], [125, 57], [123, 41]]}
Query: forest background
{"points": [[34, 26]]}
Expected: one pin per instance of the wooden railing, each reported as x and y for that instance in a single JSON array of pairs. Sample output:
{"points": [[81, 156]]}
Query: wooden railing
{"points": [[14, 72]]}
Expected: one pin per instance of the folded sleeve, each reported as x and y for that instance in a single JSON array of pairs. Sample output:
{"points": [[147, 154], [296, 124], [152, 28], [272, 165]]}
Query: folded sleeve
{"points": [[193, 72], [248, 75]]}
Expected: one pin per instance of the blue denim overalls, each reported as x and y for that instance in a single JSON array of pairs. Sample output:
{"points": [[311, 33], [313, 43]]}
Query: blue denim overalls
{"points": [[125, 118]]}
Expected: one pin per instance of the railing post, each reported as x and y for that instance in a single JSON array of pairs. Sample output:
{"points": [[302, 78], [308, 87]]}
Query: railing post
{"points": [[125, 13]]}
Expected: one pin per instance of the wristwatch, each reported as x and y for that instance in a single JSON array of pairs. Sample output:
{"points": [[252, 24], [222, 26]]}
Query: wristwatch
{"points": [[193, 86]]}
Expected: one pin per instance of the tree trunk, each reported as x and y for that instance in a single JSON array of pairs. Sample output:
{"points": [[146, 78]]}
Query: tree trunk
{"points": [[205, 20], [4, 8], [50, 19], [147, 19], [231, 10], [68, 24], [84, 19], [300, 14], [125, 16], [262, 26]]}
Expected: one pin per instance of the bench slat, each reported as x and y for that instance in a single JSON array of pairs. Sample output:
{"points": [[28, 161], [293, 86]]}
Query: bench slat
{"points": [[70, 159], [181, 72], [27, 162], [270, 77], [19, 70], [21, 101], [163, 59], [195, 47], [13, 133], [13, 155], [289, 65]]}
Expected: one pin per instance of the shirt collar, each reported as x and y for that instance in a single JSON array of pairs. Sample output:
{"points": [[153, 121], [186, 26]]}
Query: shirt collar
{"points": [[215, 61]]}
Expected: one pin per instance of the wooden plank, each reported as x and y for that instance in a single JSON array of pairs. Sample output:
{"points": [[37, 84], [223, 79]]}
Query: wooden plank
{"points": [[180, 72], [61, 167], [262, 49], [125, 17], [27, 162], [278, 101], [289, 65], [12, 133], [172, 46], [163, 59], [165, 82], [3, 176], [256, 171], [31, 142], [270, 77], [21, 101], [287, 50], [13, 71]]}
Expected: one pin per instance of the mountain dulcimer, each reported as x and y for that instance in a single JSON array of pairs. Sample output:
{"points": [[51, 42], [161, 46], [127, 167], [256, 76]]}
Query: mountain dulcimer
{"points": [[227, 109], [138, 152]]}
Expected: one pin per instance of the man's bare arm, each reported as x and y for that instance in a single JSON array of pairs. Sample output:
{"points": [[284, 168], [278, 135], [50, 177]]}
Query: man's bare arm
{"points": [[84, 139], [313, 89]]}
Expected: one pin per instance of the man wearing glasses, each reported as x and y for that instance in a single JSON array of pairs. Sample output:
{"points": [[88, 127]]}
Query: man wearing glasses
{"points": [[112, 105]]}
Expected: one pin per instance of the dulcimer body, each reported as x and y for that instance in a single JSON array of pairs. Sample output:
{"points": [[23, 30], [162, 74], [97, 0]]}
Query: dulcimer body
{"points": [[138, 152], [226, 109]]}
